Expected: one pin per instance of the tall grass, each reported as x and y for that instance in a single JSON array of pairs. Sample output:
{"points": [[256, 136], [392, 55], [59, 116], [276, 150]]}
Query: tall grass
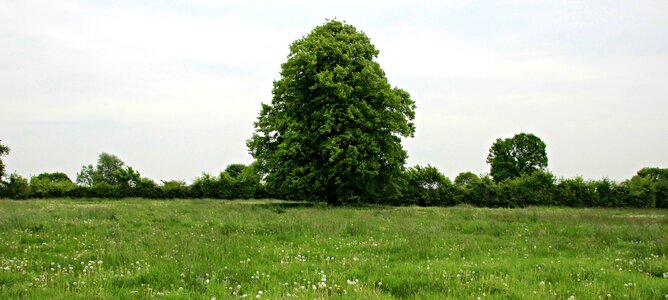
{"points": [[201, 249]]}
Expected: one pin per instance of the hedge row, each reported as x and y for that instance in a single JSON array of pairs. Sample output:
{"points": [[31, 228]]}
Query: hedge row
{"points": [[423, 186], [221, 187], [426, 187]]}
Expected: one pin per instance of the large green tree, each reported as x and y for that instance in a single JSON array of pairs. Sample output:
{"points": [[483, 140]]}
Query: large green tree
{"points": [[4, 150], [524, 153], [334, 126]]}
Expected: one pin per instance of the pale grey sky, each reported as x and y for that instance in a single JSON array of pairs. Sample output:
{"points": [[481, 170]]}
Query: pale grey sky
{"points": [[173, 87]]}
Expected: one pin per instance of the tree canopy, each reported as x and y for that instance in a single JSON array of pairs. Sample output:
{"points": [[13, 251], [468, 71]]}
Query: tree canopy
{"points": [[524, 153], [464, 178], [110, 170], [334, 126], [54, 177], [426, 186]]}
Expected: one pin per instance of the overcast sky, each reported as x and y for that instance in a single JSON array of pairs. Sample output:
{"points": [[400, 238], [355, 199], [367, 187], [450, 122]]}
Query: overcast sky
{"points": [[173, 87]]}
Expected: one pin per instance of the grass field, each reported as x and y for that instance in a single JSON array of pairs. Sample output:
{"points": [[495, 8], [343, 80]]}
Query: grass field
{"points": [[201, 249]]}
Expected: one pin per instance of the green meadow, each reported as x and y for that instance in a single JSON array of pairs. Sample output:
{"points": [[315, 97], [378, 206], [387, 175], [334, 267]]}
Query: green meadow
{"points": [[267, 249]]}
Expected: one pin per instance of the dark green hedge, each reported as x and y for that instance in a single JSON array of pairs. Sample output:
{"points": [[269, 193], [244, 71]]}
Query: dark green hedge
{"points": [[423, 186]]}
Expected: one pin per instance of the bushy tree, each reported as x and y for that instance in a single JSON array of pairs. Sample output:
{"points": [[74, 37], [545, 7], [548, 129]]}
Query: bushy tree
{"points": [[56, 184], [175, 189], [659, 179], [640, 192], [648, 188], [536, 188], [18, 187], [524, 153], [248, 183], [333, 129], [426, 186], [574, 192], [480, 191], [87, 176], [110, 170], [229, 184], [607, 193], [654, 174], [4, 150], [464, 178], [127, 177], [54, 177], [205, 186], [234, 170]]}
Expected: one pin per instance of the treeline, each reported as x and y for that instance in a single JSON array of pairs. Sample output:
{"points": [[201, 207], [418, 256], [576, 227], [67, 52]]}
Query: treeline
{"points": [[426, 186], [111, 178], [423, 186], [222, 186]]}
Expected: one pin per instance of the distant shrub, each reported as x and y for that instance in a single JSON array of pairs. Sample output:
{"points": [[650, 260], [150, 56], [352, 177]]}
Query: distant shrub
{"points": [[640, 192], [426, 186], [574, 192], [607, 193], [174, 189], [204, 186], [536, 188], [236, 182], [248, 183], [17, 187], [234, 170], [661, 193], [51, 185], [659, 180], [463, 178], [481, 191]]}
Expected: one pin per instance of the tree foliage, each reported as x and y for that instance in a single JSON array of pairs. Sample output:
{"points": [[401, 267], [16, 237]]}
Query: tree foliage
{"points": [[333, 129], [127, 177], [54, 177], [426, 186], [110, 170], [4, 150], [56, 184], [464, 178], [234, 170], [17, 187], [649, 183], [524, 153], [238, 181]]}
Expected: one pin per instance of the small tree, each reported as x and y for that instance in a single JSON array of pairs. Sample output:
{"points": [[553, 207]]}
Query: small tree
{"points": [[426, 186], [54, 177], [127, 177], [234, 170], [574, 192], [524, 153], [641, 192], [658, 179], [536, 188], [56, 184], [18, 187], [464, 178], [109, 170], [175, 189], [481, 191], [333, 129]]}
